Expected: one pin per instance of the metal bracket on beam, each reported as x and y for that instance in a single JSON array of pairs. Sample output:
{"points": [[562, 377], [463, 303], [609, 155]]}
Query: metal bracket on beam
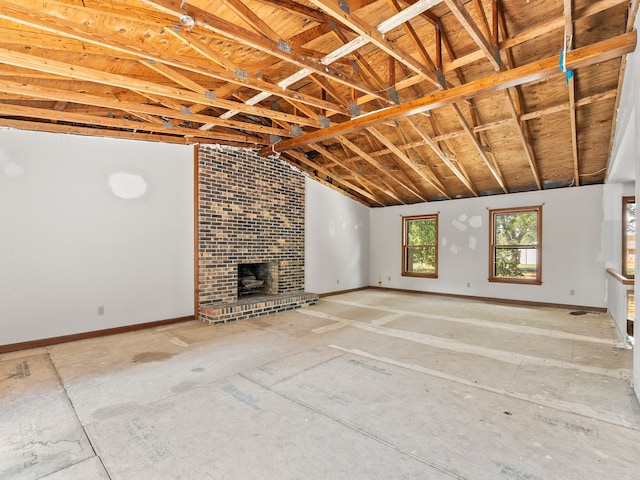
{"points": [[241, 74], [284, 46], [273, 139], [496, 54], [344, 6], [441, 79], [394, 96], [296, 131], [167, 124], [354, 108], [324, 121], [185, 110], [209, 95]]}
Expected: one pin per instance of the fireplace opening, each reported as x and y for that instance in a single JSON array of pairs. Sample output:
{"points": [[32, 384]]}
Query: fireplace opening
{"points": [[257, 279]]}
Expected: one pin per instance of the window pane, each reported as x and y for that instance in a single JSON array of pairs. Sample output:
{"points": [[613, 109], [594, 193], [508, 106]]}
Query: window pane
{"points": [[420, 260], [516, 228], [420, 246], [630, 239], [516, 245], [516, 263], [421, 232]]}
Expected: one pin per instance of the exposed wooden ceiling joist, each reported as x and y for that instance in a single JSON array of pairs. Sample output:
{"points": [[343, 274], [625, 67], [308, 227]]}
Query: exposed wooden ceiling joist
{"points": [[533, 72], [389, 101]]}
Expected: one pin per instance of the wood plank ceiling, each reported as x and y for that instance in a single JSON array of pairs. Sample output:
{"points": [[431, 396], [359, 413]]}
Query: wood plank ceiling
{"points": [[389, 101]]}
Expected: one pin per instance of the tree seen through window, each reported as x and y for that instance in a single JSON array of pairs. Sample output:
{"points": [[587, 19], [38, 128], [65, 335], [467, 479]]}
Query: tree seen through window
{"points": [[516, 245], [420, 246]]}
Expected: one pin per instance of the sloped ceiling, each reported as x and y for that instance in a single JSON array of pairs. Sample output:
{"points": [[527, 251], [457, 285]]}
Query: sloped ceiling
{"points": [[388, 101]]}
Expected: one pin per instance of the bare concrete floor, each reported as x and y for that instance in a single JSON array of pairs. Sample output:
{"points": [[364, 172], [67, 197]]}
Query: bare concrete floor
{"points": [[365, 385]]}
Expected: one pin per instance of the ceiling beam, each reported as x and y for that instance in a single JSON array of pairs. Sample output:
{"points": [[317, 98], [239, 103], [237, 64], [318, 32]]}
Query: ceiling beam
{"points": [[491, 165], [226, 29], [515, 103], [380, 167], [523, 140], [535, 71], [346, 49], [434, 182], [571, 85], [304, 11], [345, 164], [301, 157], [489, 50], [592, 9], [82, 73], [107, 40], [523, 117], [374, 36], [443, 156], [180, 113], [418, 44], [97, 132], [246, 14], [11, 110]]}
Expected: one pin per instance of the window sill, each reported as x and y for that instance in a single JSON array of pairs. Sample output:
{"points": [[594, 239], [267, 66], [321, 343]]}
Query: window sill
{"points": [[515, 281]]}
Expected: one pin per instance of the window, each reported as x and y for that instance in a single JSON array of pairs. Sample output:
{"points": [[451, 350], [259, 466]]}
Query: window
{"points": [[516, 245], [420, 246], [628, 236]]}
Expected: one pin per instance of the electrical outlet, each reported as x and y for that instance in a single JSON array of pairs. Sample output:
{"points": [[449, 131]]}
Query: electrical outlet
{"points": [[468, 284], [101, 310], [389, 278], [572, 292], [338, 281]]}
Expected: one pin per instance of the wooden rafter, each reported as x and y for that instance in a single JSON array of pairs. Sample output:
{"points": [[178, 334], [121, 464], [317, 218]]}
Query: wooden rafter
{"points": [[259, 25], [460, 174], [335, 179], [352, 46], [490, 163], [378, 166], [571, 85], [372, 35], [465, 19], [376, 98], [358, 177], [92, 120], [514, 98], [523, 117], [435, 183], [226, 29], [588, 55], [76, 72], [56, 25], [100, 132], [526, 147], [140, 108], [419, 44]]}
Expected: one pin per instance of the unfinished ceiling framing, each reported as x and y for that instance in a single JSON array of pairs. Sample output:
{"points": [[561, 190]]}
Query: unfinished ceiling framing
{"points": [[389, 101]]}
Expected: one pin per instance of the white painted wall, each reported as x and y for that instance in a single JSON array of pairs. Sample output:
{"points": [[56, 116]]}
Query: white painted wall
{"points": [[573, 257], [625, 164], [68, 244], [336, 240]]}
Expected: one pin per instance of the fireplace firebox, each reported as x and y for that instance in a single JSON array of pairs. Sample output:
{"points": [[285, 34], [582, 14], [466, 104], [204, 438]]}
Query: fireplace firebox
{"points": [[257, 279]]}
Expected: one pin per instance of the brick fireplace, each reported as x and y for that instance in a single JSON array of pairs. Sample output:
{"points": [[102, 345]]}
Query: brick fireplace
{"points": [[250, 224]]}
